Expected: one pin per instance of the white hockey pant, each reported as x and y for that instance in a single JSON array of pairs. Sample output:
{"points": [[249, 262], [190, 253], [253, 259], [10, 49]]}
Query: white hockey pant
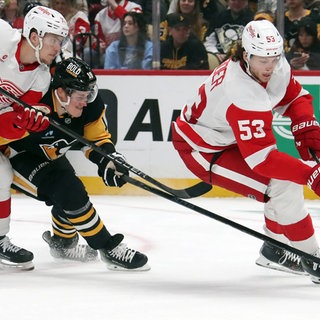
{"points": [[6, 178], [286, 208]]}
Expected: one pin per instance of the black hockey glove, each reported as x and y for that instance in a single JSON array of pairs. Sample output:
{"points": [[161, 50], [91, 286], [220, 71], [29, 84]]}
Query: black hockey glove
{"points": [[111, 173]]}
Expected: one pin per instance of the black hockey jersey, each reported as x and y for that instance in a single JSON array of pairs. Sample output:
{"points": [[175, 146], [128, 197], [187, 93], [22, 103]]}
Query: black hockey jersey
{"points": [[53, 143]]}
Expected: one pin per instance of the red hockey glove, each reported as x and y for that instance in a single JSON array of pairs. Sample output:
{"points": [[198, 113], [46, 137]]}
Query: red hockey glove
{"points": [[314, 180], [111, 172], [33, 120], [307, 136], [7, 128]]}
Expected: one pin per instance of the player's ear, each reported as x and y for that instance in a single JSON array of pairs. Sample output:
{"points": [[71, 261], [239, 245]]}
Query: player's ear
{"points": [[34, 38]]}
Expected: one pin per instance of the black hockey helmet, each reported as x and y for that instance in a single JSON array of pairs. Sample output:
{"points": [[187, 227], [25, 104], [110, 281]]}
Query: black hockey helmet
{"points": [[74, 74]]}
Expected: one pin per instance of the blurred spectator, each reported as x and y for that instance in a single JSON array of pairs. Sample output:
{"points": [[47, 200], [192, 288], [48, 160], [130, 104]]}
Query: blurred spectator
{"points": [[78, 22], [133, 50], [305, 51], [211, 9], [147, 12], [295, 11], [190, 9], [180, 50], [228, 28], [12, 13], [107, 26]]}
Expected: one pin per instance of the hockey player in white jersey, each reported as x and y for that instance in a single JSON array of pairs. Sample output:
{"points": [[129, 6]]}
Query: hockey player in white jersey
{"points": [[224, 136], [24, 72]]}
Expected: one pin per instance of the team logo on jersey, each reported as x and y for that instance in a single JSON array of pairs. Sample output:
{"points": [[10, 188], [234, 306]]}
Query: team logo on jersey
{"points": [[11, 88], [56, 149], [281, 126]]}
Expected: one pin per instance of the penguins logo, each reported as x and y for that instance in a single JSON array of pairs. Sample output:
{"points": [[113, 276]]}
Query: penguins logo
{"points": [[56, 149]]}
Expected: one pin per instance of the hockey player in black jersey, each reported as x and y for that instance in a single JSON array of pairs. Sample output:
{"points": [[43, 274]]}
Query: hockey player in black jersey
{"points": [[43, 171]]}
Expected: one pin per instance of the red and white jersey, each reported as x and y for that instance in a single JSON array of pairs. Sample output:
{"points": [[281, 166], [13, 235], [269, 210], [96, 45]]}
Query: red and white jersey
{"points": [[231, 108], [28, 82], [107, 24], [79, 23]]}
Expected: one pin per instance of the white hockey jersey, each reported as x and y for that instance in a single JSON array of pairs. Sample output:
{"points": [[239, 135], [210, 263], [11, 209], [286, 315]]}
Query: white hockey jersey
{"points": [[233, 109], [28, 82]]}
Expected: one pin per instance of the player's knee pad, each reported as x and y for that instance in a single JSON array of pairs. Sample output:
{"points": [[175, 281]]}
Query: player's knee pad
{"points": [[65, 190], [287, 200]]}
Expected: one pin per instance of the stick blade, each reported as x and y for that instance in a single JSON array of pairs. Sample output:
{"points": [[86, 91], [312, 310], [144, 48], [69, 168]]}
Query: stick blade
{"points": [[197, 190]]}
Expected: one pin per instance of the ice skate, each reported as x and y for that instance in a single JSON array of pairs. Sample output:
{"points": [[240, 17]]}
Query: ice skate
{"points": [[12, 256], [119, 257], [279, 259], [312, 268], [69, 249]]}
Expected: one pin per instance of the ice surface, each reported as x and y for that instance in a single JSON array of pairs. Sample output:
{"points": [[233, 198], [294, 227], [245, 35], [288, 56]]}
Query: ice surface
{"points": [[200, 268]]}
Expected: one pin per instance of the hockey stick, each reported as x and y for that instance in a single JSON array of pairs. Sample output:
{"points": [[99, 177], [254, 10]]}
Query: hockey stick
{"points": [[226, 221], [191, 192]]}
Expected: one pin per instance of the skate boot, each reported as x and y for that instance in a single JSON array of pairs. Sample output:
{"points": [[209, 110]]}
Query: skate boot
{"points": [[312, 268], [69, 249], [119, 257], [279, 259], [14, 256]]}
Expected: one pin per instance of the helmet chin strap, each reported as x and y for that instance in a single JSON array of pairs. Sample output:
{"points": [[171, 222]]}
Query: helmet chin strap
{"points": [[64, 105], [37, 49]]}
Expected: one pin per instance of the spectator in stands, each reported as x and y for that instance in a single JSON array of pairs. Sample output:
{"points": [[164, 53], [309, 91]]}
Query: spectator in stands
{"points": [[295, 11], [211, 9], [180, 50], [228, 28], [133, 50], [107, 26], [78, 23], [191, 9], [147, 7], [12, 13], [305, 51]]}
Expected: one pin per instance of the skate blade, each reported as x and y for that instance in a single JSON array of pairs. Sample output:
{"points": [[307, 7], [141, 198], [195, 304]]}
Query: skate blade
{"points": [[315, 279], [11, 266], [114, 267], [263, 262]]}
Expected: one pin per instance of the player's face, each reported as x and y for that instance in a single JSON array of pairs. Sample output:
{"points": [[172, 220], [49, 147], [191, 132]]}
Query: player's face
{"points": [[78, 101], [51, 47], [263, 67]]}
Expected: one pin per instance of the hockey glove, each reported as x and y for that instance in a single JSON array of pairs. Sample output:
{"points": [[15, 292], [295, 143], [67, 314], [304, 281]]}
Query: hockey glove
{"points": [[111, 172], [33, 119], [8, 129], [314, 180], [307, 136]]}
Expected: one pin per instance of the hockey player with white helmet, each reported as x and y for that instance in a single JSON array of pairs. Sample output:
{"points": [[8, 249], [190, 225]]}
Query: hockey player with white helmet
{"points": [[46, 174], [24, 72], [224, 136]]}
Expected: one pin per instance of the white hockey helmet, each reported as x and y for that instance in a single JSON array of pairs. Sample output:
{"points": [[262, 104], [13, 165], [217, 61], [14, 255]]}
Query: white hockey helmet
{"points": [[45, 20], [261, 38]]}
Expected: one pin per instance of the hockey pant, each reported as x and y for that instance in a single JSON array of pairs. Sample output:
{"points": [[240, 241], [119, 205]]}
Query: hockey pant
{"points": [[6, 176], [56, 183], [285, 215]]}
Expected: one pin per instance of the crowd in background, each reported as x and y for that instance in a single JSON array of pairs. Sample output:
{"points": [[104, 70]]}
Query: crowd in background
{"points": [[193, 34]]}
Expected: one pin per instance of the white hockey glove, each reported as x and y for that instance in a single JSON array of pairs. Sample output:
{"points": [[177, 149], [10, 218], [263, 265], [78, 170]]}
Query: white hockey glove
{"points": [[111, 173]]}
